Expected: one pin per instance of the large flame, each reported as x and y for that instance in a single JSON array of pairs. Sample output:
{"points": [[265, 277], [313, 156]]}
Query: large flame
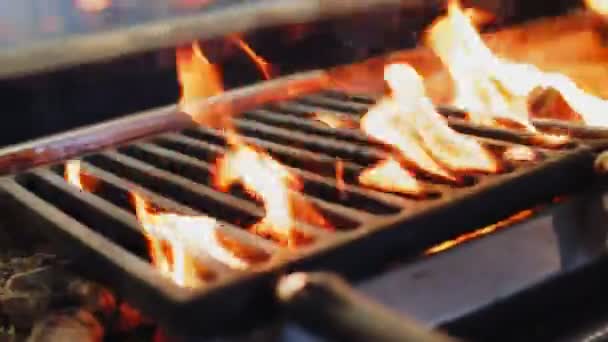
{"points": [[266, 179], [176, 239], [598, 6], [197, 76], [408, 121], [494, 90]]}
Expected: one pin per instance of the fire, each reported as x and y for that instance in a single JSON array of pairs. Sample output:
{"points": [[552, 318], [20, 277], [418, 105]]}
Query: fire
{"points": [[493, 90], [332, 120], [198, 78], [598, 6], [520, 216], [74, 176], [388, 175], [72, 173], [266, 179], [408, 121], [174, 241], [264, 67]]}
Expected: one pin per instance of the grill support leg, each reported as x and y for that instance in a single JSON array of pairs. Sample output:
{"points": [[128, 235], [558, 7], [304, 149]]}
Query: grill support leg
{"points": [[581, 226]]}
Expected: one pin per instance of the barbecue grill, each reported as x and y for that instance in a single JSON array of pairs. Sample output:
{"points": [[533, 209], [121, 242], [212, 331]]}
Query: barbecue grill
{"points": [[174, 171], [166, 157]]}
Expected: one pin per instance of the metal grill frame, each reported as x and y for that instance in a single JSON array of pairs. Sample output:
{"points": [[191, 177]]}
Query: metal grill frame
{"points": [[243, 300]]}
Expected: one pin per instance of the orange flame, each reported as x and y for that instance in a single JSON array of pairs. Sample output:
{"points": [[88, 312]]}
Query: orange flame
{"points": [[333, 120], [74, 176], [264, 67], [266, 179], [176, 239], [408, 121], [198, 78], [493, 90], [388, 175], [520, 216], [598, 6], [72, 173]]}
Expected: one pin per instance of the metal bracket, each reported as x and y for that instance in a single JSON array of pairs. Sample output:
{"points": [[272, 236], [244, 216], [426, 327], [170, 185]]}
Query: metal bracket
{"points": [[581, 224]]}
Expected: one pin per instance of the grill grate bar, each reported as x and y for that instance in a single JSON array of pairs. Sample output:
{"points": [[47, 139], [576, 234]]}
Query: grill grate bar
{"points": [[200, 194], [339, 105], [304, 156], [304, 110], [386, 198], [362, 154], [327, 206], [169, 204], [109, 209], [309, 124]]}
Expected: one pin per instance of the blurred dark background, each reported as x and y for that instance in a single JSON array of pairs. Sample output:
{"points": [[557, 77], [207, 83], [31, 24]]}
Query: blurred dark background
{"points": [[48, 103]]}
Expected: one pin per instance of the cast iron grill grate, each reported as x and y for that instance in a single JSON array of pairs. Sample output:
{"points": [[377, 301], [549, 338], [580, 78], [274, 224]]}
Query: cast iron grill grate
{"points": [[174, 171]]}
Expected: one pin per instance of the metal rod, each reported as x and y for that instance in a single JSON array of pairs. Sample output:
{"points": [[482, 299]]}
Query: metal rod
{"points": [[61, 146], [250, 15], [328, 306]]}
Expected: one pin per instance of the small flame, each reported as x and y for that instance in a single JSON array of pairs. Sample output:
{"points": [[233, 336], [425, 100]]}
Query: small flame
{"points": [[520, 216], [408, 121], [388, 175], [495, 91], [74, 176], [175, 239], [340, 184], [197, 76], [266, 179], [333, 120], [520, 153], [598, 6], [264, 67], [72, 173]]}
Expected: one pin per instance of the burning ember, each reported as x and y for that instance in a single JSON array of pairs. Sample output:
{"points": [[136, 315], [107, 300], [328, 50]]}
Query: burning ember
{"points": [[522, 215], [266, 179], [495, 91], [197, 76], [175, 240], [408, 121]]}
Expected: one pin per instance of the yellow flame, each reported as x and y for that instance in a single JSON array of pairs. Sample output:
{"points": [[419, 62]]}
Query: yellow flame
{"points": [[72, 173], [598, 6], [266, 179], [492, 89], [388, 175], [175, 241], [408, 121]]}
